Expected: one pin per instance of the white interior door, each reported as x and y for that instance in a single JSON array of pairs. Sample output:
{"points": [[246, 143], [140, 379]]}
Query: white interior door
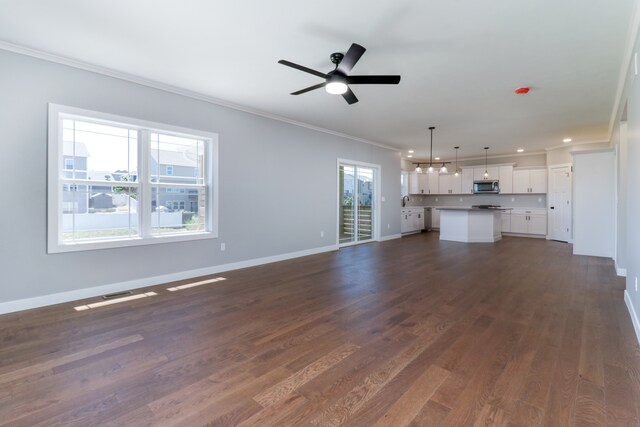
{"points": [[560, 203]]}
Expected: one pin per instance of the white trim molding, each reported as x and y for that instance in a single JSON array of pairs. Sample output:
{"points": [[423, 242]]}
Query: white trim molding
{"points": [[633, 314], [62, 297], [389, 237], [622, 272]]}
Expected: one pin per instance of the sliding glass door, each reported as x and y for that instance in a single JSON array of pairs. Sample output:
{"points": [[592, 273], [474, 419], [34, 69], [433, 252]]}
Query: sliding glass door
{"points": [[356, 203]]}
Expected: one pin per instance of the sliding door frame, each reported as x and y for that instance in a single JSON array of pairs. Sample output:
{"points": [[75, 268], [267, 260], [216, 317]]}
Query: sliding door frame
{"points": [[377, 180]]}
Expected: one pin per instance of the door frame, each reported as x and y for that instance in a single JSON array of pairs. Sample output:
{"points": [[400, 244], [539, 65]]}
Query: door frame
{"points": [[549, 181], [377, 180]]}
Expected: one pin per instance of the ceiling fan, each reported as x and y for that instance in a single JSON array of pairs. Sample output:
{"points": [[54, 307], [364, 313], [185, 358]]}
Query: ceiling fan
{"points": [[338, 80]]}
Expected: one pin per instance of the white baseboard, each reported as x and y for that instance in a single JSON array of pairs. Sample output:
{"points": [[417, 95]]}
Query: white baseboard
{"points": [[390, 237], [61, 297], [633, 314]]}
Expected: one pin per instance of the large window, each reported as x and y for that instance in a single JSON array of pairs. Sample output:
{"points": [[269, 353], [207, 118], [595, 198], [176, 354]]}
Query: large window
{"points": [[115, 181]]}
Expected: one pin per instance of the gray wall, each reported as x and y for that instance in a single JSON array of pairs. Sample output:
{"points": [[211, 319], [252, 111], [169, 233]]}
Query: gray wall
{"points": [[633, 184], [620, 137], [561, 156], [277, 181], [627, 135]]}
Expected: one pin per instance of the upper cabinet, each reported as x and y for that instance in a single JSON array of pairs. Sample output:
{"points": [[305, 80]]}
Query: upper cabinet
{"points": [[505, 176], [450, 184], [530, 181], [433, 180], [423, 183], [467, 181], [493, 171], [418, 183], [538, 180], [512, 180]]}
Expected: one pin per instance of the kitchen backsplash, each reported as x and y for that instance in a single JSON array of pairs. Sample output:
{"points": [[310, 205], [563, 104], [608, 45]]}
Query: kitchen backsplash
{"points": [[506, 200]]}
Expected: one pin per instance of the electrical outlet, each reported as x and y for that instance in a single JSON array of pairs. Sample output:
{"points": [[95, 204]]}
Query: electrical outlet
{"points": [[513, 199], [322, 234], [539, 199], [460, 198], [388, 226], [436, 199], [382, 199], [636, 283], [223, 246]]}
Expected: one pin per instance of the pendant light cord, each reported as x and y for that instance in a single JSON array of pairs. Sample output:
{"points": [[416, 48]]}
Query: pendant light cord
{"points": [[431, 128]]}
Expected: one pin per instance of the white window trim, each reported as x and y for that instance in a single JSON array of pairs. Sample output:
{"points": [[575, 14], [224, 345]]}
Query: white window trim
{"points": [[54, 184]]}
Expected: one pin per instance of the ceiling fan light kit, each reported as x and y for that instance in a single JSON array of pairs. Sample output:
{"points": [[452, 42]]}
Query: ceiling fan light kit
{"points": [[338, 80]]}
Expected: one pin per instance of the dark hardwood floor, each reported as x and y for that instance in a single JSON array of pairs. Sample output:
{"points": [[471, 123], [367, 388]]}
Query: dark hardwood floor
{"points": [[407, 332]]}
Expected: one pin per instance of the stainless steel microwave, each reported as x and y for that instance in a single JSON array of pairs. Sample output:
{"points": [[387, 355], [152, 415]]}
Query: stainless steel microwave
{"points": [[486, 187]]}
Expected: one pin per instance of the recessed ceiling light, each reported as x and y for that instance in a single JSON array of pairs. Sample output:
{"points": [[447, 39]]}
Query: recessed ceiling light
{"points": [[410, 151], [566, 140], [409, 155], [520, 150], [437, 158]]}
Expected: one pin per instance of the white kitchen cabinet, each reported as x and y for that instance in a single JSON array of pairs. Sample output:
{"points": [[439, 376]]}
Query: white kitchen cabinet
{"points": [[493, 171], [505, 222], [435, 218], [531, 221], [538, 180], [505, 176], [467, 181], [404, 183], [418, 183], [518, 223], [538, 224], [418, 220], [404, 222], [530, 181], [433, 182], [450, 184], [411, 220]]}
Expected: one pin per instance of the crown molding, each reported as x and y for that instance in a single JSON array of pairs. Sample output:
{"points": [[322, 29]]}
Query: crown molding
{"points": [[74, 63], [571, 146], [624, 68], [464, 159]]}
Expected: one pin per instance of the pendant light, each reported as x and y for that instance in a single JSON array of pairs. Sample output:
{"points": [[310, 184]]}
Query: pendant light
{"points": [[486, 172], [443, 169], [430, 170], [418, 168], [456, 148]]}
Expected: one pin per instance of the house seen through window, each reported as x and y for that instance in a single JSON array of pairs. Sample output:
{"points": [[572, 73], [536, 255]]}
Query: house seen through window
{"points": [[119, 181]]}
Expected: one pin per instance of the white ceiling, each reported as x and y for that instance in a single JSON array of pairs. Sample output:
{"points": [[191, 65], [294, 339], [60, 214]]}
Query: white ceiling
{"points": [[460, 61]]}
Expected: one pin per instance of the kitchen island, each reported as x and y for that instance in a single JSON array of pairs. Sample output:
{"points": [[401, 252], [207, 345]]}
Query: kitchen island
{"points": [[470, 224]]}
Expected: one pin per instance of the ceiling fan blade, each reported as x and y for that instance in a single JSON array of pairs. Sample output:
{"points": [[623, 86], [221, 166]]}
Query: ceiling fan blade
{"points": [[302, 68], [350, 58], [350, 97], [373, 80], [308, 89]]}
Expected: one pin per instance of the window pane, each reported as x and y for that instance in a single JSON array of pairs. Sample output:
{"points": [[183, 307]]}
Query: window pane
{"points": [[91, 212], [99, 152], [174, 210], [176, 159], [347, 211]]}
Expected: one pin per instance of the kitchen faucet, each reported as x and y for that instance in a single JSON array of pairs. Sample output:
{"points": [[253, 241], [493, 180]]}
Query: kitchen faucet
{"points": [[403, 201]]}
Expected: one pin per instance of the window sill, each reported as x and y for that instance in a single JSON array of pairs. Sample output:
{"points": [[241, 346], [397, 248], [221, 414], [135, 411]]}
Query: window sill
{"points": [[88, 245]]}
